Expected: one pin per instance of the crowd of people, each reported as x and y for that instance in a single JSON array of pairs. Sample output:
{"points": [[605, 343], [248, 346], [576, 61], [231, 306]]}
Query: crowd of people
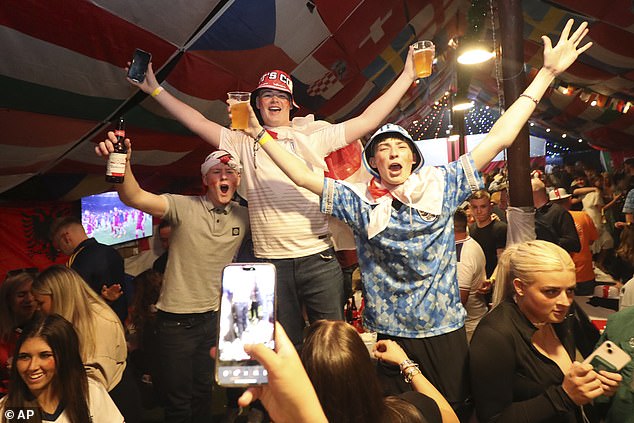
{"points": [[431, 247]]}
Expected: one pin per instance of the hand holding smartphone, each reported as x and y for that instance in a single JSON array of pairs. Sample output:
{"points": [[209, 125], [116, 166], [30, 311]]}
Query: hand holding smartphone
{"points": [[247, 316], [139, 64], [608, 356]]}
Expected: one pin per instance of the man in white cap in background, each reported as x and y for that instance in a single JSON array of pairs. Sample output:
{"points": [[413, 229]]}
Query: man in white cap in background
{"points": [[587, 233], [288, 228], [553, 223], [207, 231]]}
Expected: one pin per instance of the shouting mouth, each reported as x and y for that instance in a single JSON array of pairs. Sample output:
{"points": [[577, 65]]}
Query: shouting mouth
{"points": [[224, 188]]}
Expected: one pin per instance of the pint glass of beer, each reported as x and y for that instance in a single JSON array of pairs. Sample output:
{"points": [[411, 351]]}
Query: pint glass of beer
{"points": [[238, 102], [423, 58]]}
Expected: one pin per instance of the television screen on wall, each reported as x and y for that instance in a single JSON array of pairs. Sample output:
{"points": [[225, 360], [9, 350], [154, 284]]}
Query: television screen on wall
{"points": [[111, 222]]}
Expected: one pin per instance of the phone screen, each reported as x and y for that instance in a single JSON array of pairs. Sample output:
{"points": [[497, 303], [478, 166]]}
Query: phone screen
{"points": [[139, 64], [247, 316]]}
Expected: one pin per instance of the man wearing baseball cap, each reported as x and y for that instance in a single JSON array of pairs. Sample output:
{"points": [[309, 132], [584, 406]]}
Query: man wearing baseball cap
{"points": [[553, 223], [402, 220], [288, 228], [587, 233], [207, 231]]}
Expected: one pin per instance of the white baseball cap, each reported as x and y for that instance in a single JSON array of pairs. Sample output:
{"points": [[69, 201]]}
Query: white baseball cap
{"points": [[558, 194]]}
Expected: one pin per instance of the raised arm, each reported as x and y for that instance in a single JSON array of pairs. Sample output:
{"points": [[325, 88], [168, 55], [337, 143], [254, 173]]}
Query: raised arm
{"points": [[377, 112], [130, 193], [508, 126], [290, 164], [584, 190], [191, 118]]}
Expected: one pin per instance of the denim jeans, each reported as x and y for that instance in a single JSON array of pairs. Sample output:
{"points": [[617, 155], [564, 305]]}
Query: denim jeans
{"points": [[313, 281], [186, 369]]}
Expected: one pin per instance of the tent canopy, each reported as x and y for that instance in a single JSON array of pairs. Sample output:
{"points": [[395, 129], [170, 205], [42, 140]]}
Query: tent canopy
{"points": [[63, 86]]}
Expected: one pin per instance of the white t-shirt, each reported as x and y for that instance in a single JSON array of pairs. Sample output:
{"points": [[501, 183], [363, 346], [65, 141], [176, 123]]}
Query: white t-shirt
{"points": [[627, 295], [285, 219], [102, 408], [471, 274]]}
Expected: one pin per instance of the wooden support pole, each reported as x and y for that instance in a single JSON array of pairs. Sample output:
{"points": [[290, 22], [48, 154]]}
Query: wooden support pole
{"points": [[512, 41]]}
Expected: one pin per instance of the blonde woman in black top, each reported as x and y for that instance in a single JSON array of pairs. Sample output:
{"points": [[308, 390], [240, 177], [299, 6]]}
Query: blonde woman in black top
{"points": [[523, 366]]}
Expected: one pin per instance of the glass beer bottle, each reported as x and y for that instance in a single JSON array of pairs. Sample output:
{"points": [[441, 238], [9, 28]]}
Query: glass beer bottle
{"points": [[115, 170]]}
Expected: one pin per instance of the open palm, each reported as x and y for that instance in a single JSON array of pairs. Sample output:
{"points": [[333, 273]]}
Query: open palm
{"points": [[558, 58]]}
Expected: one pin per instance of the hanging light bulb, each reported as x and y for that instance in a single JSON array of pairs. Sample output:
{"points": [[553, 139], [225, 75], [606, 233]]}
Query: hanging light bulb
{"points": [[465, 105], [474, 53]]}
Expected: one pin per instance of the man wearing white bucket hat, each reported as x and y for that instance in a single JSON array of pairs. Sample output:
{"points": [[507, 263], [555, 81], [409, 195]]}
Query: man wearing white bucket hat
{"points": [[207, 231], [402, 220]]}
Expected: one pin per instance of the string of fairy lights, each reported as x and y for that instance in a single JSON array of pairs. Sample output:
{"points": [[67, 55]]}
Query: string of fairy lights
{"points": [[479, 120], [437, 123]]}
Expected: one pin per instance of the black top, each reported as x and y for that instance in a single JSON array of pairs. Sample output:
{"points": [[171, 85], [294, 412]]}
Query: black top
{"points": [[513, 382], [491, 238], [555, 224], [160, 263], [426, 406], [99, 265]]}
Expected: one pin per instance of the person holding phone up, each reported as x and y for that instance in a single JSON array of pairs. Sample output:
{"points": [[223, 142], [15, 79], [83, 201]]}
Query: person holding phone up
{"points": [[288, 229]]}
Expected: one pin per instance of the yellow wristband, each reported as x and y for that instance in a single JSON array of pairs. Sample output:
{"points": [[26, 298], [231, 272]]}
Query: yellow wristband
{"points": [[157, 91], [265, 138]]}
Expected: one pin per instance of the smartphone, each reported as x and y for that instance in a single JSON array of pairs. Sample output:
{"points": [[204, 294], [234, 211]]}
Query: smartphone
{"points": [[608, 356], [139, 64], [247, 316]]}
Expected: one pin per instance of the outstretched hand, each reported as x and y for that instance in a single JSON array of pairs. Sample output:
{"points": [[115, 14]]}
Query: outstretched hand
{"points": [[557, 59], [149, 83], [112, 292]]}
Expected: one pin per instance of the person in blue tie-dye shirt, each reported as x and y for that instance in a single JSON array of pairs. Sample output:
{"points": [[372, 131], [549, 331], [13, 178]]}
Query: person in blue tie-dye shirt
{"points": [[403, 225]]}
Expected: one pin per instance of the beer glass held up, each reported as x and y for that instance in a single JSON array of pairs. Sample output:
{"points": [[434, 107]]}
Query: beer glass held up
{"points": [[238, 102], [423, 58]]}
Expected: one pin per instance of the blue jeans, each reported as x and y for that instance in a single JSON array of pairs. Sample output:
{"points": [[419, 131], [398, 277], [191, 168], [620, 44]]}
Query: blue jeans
{"points": [[313, 281], [185, 367]]}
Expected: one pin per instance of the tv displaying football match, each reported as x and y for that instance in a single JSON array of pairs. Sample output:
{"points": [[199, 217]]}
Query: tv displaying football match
{"points": [[110, 222]]}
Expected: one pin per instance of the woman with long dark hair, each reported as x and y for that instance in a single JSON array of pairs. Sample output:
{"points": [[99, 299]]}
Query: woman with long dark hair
{"points": [[102, 343], [341, 370], [48, 374]]}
